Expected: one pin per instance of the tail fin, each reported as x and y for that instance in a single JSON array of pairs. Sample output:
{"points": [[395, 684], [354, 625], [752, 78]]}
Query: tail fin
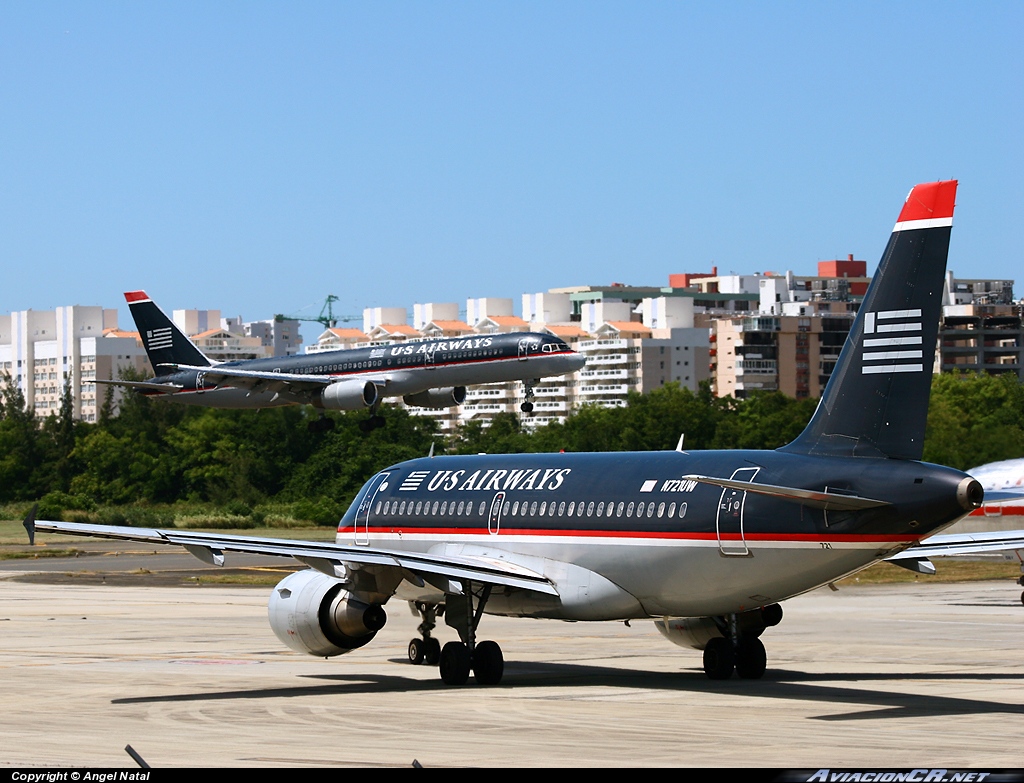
{"points": [[165, 343], [876, 401]]}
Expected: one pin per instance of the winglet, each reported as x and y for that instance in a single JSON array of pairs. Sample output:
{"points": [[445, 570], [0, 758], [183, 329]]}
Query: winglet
{"points": [[30, 524]]}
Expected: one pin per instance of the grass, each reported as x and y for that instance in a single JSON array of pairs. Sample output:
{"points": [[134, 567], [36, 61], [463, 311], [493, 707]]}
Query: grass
{"points": [[948, 570], [37, 552]]}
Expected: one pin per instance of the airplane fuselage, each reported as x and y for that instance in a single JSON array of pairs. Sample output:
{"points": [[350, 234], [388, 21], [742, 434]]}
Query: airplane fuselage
{"points": [[400, 370], [647, 542]]}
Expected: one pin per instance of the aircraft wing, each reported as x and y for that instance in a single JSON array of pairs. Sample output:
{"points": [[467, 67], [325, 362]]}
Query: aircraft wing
{"points": [[332, 559], [808, 497], [270, 381], [166, 388]]}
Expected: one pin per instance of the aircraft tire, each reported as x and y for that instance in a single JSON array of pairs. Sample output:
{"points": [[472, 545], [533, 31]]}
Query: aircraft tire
{"points": [[488, 663], [751, 660], [454, 663], [719, 659], [376, 422], [431, 651], [417, 651], [526, 407], [1022, 598], [365, 426]]}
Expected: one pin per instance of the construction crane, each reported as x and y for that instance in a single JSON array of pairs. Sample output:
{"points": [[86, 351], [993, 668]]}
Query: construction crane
{"points": [[326, 317]]}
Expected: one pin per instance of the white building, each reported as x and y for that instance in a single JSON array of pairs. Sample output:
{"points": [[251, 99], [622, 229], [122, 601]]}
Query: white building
{"points": [[40, 351]]}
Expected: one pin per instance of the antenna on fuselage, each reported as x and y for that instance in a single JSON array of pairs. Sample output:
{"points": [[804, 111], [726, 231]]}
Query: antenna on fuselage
{"points": [[430, 454], [679, 445]]}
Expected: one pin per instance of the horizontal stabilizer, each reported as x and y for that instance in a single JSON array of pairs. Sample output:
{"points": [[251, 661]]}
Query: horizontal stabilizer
{"points": [[166, 388], [807, 497], [950, 544]]}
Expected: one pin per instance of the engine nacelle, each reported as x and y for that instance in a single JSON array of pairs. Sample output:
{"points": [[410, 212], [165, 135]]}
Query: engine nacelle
{"points": [[693, 632], [696, 632], [443, 397], [313, 613], [347, 396]]}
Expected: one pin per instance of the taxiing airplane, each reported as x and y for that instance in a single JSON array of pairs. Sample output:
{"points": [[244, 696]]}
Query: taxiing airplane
{"points": [[424, 373], [707, 544]]}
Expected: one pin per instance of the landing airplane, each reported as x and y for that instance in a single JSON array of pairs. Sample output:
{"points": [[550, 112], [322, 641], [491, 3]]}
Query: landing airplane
{"points": [[424, 373], [706, 544]]}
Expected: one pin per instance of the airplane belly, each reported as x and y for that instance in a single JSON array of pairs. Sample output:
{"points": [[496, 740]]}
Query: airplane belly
{"points": [[607, 581]]}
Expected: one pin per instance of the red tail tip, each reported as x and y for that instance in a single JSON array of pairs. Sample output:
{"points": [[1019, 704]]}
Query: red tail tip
{"points": [[135, 296], [930, 201]]}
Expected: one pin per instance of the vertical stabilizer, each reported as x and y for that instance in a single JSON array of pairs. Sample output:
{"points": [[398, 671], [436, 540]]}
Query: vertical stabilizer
{"points": [[876, 401], [165, 343]]}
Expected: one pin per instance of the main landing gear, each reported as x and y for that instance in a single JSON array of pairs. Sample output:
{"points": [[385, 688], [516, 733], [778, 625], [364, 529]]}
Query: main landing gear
{"points": [[457, 659], [739, 649], [322, 424], [527, 406], [376, 421]]}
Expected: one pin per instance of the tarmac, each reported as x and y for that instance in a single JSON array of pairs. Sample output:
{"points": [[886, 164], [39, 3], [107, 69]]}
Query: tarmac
{"points": [[901, 676]]}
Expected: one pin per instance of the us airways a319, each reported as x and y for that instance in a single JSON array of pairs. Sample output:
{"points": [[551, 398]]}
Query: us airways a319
{"points": [[424, 373], [706, 544]]}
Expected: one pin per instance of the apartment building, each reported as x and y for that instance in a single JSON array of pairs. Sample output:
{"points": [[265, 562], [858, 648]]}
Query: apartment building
{"points": [[42, 350]]}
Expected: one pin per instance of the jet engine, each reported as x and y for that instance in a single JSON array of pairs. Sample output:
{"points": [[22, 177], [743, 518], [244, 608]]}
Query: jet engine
{"points": [[444, 397], [347, 396], [696, 632], [313, 613]]}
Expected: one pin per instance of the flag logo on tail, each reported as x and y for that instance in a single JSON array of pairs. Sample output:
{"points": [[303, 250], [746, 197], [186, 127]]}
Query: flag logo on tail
{"points": [[159, 338], [892, 342]]}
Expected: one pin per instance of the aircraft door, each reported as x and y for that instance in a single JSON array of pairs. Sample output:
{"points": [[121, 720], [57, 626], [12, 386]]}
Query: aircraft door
{"points": [[494, 519], [525, 345], [367, 509], [731, 540]]}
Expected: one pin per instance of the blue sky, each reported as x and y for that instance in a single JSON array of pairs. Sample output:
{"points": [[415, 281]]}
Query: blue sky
{"points": [[257, 156]]}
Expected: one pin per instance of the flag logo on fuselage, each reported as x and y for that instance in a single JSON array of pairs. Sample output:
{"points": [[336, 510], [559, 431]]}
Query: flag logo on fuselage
{"points": [[892, 342]]}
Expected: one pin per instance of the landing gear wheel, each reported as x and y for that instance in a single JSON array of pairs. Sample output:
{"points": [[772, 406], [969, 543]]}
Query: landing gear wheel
{"points": [[431, 651], [751, 659], [417, 653], [719, 659], [454, 663], [376, 422], [526, 407], [323, 424], [365, 426], [488, 663]]}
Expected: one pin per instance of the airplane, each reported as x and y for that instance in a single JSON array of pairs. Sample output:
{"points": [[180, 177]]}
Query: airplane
{"points": [[707, 544], [1005, 476], [424, 373]]}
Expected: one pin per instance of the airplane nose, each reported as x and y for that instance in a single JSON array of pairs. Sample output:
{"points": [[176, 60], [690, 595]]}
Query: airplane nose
{"points": [[579, 361]]}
